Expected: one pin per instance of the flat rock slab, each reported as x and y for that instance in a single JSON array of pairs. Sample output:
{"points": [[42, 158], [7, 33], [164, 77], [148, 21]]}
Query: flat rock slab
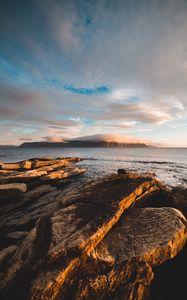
{"points": [[151, 234], [36, 168], [13, 186], [120, 267]]}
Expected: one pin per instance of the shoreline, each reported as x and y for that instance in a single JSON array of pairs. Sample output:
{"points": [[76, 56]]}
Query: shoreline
{"points": [[65, 235], [170, 167]]}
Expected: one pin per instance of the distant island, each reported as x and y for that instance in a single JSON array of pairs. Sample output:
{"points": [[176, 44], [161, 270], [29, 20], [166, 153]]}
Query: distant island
{"points": [[92, 141], [80, 144]]}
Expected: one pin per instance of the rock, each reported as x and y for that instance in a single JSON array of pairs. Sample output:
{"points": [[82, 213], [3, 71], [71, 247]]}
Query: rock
{"points": [[14, 186], [17, 235], [66, 173], [20, 266], [121, 172], [11, 191], [78, 227], [10, 166], [177, 197], [129, 281], [59, 162], [30, 170], [27, 164], [154, 235], [121, 265], [6, 253], [23, 176], [81, 239]]}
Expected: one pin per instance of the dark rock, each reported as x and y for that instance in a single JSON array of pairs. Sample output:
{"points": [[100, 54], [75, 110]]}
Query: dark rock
{"points": [[5, 254], [18, 273], [17, 235], [122, 172]]}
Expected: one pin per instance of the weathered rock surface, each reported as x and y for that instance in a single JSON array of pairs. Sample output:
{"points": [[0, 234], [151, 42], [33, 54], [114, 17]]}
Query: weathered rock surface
{"points": [[77, 239], [32, 197], [150, 234]]}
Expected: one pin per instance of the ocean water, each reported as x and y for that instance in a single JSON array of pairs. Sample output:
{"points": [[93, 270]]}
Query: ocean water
{"points": [[169, 165]]}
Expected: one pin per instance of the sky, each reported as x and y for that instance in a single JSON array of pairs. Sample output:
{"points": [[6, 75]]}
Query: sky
{"points": [[80, 68]]}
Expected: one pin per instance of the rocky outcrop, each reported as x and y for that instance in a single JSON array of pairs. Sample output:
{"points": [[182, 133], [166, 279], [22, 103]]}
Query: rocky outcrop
{"points": [[26, 171], [82, 239], [150, 234]]}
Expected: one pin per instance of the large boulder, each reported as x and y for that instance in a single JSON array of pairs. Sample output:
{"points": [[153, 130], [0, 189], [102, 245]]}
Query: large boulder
{"points": [[150, 234], [121, 265], [85, 217]]}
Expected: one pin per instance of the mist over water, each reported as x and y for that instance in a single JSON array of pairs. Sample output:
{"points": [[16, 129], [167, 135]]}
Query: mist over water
{"points": [[169, 165]]}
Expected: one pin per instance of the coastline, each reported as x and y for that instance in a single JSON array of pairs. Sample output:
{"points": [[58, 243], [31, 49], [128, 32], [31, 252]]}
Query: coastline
{"points": [[68, 222]]}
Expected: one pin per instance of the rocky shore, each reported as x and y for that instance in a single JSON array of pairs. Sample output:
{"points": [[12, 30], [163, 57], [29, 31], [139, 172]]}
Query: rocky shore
{"points": [[62, 236]]}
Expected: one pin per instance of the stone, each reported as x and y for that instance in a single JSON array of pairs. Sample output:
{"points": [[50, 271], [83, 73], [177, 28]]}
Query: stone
{"points": [[80, 225], [20, 266], [10, 166], [33, 169], [121, 172], [81, 239], [129, 281], [66, 173], [17, 235], [59, 162], [13, 186], [154, 235], [6, 253], [27, 164]]}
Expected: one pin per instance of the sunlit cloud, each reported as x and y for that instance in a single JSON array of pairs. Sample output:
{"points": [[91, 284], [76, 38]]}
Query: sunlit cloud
{"points": [[88, 67]]}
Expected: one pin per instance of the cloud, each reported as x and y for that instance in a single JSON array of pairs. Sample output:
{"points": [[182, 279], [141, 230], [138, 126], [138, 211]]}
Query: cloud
{"points": [[54, 139], [130, 57], [112, 138]]}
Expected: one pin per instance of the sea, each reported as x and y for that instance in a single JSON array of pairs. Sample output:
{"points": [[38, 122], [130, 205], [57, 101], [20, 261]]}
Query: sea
{"points": [[168, 164]]}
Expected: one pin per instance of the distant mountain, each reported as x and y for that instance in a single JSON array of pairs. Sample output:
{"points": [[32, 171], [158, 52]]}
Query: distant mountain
{"points": [[80, 144], [7, 146], [97, 140]]}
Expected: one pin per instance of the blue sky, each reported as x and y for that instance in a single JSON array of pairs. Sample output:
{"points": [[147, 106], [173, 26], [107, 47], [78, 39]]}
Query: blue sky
{"points": [[79, 68]]}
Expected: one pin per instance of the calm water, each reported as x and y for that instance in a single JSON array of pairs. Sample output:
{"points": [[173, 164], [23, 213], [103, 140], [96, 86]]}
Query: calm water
{"points": [[170, 165]]}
